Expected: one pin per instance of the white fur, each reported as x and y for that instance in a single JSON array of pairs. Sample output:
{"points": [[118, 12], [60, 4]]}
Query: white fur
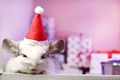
{"points": [[16, 64], [33, 60], [39, 10]]}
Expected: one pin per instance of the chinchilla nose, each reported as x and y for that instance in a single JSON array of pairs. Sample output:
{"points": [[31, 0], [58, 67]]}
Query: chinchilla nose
{"points": [[35, 64]]}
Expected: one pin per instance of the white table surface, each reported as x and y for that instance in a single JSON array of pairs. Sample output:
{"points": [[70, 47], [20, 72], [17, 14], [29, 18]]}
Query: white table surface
{"points": [[15, 76]]}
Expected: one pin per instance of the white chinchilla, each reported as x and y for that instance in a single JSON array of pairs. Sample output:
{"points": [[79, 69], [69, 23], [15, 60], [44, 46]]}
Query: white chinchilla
{"points": [[32, 55], [31, 58]]}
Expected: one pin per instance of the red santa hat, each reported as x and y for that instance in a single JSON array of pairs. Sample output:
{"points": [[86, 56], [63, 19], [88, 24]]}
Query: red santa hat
{"points": [[36, 31]]}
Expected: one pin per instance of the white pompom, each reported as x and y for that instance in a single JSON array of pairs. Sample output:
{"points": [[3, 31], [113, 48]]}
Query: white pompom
{"points": [[39, 10]]}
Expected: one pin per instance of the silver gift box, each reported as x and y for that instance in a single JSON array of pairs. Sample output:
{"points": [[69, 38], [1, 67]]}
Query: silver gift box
{"points": [[111, 67]]}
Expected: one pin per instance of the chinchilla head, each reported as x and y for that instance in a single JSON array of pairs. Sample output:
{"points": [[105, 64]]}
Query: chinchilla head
{"points": [[31, 54]]}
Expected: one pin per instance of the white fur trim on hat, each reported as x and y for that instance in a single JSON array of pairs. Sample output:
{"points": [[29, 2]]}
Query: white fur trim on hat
{"points": [[39, 10], [30, 41]]}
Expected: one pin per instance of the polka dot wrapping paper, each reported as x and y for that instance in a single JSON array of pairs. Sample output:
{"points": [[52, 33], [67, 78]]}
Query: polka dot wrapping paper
{"points": [[78, 50]]}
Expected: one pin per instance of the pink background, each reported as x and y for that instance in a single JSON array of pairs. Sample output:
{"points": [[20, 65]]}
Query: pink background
{"points": [[100, 19]]}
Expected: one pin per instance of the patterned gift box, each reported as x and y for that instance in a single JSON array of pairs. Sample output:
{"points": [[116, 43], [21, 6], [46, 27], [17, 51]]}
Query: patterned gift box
{"points": [[73, 47], [49, 26], [102, 56], [78, 49]]}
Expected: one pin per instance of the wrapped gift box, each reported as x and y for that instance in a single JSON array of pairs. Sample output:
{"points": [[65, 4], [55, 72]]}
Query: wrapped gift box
{"points": [[95, 63], [49, 27], [78, 48], [73, 48], [111, 67], [101, 56]]}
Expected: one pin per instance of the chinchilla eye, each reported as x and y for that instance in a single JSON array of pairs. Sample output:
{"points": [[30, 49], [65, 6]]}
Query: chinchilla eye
{"points": [[24, 55], [44, 56]]}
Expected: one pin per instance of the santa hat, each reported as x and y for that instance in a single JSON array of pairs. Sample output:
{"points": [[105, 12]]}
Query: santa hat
{"points": [[36, 31]]}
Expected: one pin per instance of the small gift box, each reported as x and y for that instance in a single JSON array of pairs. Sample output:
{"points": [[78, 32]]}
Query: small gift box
{"points": [[78, 50], [111, 67], [100, 56]]}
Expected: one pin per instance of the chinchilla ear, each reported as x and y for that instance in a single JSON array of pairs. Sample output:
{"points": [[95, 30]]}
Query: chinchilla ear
{"points": [[10, 46], [56, 46]]}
